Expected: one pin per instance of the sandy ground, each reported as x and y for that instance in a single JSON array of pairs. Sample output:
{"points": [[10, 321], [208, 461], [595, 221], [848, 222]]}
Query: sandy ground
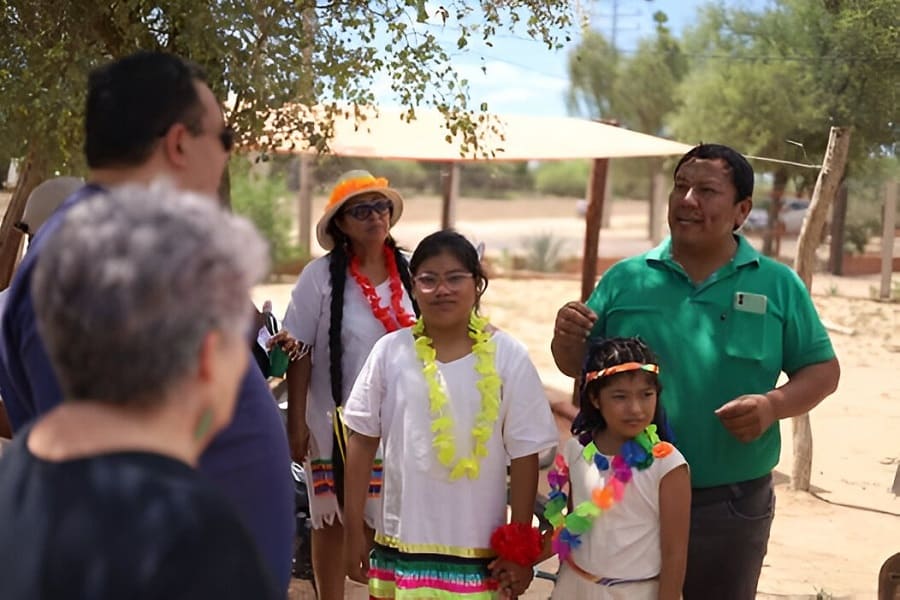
{"points": [[828, 544]]}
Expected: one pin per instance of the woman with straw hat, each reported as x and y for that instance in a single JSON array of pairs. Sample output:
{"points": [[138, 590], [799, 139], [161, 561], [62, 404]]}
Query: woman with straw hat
{"points": [[342, 304]]}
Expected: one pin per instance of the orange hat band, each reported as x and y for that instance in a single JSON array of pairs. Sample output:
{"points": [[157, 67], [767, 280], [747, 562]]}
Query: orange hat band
{"points": [[354, 186]]}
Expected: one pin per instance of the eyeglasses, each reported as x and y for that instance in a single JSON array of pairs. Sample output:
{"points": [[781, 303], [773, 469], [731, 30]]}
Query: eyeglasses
{"points": [[226, 138], [361, 212], [429, 282]]}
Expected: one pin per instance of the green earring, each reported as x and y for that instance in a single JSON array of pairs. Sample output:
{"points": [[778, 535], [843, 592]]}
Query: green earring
{"points": [[204, 424]]}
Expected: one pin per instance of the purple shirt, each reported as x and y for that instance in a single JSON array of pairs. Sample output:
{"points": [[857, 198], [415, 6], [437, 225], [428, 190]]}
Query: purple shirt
{"points": [[249, 461]]}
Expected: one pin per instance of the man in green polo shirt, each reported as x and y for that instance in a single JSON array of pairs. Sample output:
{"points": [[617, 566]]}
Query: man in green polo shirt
{"points": [[725, 322]]}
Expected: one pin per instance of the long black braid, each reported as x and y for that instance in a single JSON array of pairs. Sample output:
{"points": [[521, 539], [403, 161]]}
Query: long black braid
{"points": [[337, 269], [339, 259], [607, 353]]}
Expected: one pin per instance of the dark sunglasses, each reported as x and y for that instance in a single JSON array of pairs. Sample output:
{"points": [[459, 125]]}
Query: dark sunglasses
{"points": [[226, 138], [361, 212]]}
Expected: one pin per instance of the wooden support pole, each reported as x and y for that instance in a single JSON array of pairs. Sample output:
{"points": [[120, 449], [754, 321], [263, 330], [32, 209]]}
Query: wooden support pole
{"points": [[30, 175], [889, 226], [658, 208], [450, 187], [838, 225], [810, 236], [593, 218]]}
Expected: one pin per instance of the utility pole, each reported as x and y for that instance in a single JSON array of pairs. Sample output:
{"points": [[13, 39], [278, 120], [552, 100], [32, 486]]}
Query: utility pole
{"points": [[615, 15]]}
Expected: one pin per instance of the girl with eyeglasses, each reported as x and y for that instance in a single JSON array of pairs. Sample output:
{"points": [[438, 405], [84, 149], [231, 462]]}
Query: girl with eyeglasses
{"points": [[453, 401], [342, 304]]}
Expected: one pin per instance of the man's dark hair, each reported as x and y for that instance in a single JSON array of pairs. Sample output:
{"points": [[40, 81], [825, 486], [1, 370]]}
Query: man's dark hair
{"points": [[741, 171], [133, 101]]}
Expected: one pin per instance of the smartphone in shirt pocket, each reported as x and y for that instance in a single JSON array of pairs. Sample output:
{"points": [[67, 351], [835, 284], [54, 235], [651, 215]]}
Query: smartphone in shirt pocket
{"points": [[747, 334]]}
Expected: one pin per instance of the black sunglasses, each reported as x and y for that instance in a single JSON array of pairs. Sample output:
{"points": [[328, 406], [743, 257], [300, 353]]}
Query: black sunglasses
{"points": [[361, 212], [226, 138]]}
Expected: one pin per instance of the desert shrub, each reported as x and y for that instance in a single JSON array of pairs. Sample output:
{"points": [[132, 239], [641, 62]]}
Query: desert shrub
{"points": [[542, 252], [562, 178]]}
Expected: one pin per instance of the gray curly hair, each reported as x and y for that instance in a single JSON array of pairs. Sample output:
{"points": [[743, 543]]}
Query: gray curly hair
{"points": [[132, 282]]}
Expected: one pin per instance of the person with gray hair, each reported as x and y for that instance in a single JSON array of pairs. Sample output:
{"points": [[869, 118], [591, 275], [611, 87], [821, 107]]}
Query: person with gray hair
{"points": [[140, 299], [148, 116]]}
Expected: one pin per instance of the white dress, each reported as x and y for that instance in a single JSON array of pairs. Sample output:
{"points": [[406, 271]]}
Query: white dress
{"points": [[623, 542], [423, 511], [308, 318]]}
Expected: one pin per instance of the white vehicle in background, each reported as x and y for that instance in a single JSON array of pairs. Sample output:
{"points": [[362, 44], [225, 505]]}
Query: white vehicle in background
{"points": [[792, 212]]}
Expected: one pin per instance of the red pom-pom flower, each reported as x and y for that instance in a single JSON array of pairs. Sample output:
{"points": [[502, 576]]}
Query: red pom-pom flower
{"points": [[517, 542]]}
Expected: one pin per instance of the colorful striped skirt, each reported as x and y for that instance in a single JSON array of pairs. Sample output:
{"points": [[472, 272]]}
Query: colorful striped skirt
{"points": [[407, 576]]}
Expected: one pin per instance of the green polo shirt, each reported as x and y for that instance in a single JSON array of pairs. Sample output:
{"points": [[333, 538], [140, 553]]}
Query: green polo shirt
{"points": [[731, 335]]}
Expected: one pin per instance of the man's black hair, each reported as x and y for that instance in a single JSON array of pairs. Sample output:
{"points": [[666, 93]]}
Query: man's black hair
{"points": [[741, 171], [132, 102]]}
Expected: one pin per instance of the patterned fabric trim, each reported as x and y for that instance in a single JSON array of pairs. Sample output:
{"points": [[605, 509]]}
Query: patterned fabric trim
{"points": [[323, 478], [443, 549], [375, 481], [404, 576]]}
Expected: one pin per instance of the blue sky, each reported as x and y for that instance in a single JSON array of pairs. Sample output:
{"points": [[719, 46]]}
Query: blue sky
{"points": [[524, 77]]}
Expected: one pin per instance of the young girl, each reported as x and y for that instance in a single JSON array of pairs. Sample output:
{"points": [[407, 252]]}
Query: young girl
{"points": [[626, 532], [454, 401]]}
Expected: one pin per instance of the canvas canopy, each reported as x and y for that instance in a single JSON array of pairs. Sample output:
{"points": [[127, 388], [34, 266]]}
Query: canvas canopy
{"points": [[517, 138]]}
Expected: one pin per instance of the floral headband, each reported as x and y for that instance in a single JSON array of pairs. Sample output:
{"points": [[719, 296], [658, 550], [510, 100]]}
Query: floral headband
{"points": [[622, 368]]}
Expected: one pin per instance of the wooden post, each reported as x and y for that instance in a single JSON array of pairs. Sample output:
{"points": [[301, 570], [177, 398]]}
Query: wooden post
{"points": [[592, 220], [304, 202], [810, 236], [772, 233], [30, 174], [606, 215], [838, 224], [658, 208], [888, 229], [450, 181]]}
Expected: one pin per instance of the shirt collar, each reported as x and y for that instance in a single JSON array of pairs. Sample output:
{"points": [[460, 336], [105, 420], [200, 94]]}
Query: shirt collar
{"points": [[744, 255]]}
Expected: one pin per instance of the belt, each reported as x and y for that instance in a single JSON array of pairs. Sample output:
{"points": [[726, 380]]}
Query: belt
{"points": [[606, 581], [731, 491]]}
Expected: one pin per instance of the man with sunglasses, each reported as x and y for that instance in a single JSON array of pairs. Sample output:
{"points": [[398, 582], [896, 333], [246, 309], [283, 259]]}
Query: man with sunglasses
{"points": [[149, 116]]}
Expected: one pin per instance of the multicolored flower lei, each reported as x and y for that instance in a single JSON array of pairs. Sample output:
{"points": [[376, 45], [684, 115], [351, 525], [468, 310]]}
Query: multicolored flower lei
{"points": [[635, 454], [401, 318], [444, 441]]}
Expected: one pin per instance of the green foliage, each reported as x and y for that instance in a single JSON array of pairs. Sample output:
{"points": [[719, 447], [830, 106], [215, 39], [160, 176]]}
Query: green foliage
{"points": [[865, 200], [773, 82], [263, 58], [265, 200], [636, 91], [493, 179], [856, 236], [562, 178]]}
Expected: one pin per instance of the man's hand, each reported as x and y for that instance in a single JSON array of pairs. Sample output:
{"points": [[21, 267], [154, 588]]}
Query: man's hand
{"points": [[573, 325], [514, 579], [575, 321], [356, 553], [747, 417]]}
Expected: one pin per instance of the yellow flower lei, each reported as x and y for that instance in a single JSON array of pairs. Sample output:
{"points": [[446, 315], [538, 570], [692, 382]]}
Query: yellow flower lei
{"points": [[444, 442]]}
